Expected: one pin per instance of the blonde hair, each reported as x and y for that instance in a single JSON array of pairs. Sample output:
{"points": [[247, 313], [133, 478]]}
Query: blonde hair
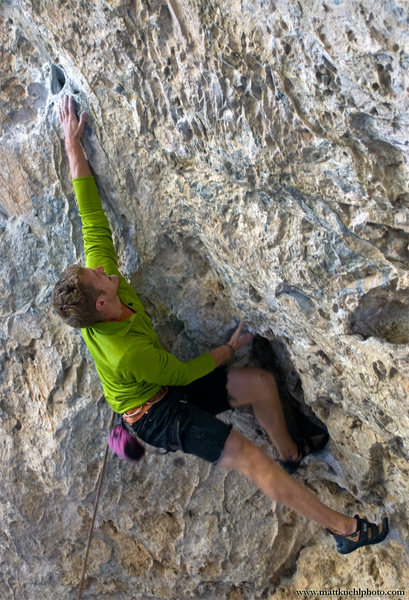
{"points": [[73, 301]]}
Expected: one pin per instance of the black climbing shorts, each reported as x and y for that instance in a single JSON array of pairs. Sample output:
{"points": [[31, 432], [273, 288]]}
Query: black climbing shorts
{"points": [[185, 418]]}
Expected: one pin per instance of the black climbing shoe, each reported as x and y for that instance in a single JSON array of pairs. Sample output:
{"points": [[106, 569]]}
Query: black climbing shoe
{"points": [[367, 533], [306, 446]]}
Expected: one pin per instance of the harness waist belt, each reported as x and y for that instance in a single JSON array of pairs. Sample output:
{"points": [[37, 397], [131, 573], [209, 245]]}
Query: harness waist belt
{"points": [[134, 414]]}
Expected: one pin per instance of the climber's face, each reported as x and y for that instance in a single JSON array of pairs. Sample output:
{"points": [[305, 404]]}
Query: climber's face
{"points": [[105, 285]]}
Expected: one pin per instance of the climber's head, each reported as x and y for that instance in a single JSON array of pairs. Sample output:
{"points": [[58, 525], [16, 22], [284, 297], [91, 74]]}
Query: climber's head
{"points": [[84, 296]]}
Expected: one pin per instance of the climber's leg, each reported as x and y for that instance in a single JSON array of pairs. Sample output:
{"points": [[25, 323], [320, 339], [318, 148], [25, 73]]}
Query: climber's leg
{"points": [[258, 388], [241, 455]]}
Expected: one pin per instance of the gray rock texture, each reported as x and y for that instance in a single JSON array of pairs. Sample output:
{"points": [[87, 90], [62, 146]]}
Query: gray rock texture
{"points": [[252, 157]]}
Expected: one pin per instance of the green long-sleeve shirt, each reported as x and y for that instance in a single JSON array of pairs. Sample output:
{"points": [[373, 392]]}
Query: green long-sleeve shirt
{"points": [[128, 356]]}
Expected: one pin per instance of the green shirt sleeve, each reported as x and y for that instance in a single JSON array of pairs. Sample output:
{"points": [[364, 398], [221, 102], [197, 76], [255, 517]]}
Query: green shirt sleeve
{"points": [[146, 362], [98, 244]]}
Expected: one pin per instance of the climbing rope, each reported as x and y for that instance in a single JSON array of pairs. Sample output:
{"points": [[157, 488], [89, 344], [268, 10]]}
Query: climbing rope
{"points": [[101, 476]]}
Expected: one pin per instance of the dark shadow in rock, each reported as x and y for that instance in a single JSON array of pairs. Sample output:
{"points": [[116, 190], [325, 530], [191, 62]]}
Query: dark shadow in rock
{"points": [[57, 79], [397, 446], [382, 314], [373, 483], [273, 356]]}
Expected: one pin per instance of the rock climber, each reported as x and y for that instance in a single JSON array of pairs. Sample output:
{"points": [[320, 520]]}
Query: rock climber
{"points": [[172, 404]]}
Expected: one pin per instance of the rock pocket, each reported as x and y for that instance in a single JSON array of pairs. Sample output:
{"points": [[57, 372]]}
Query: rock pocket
{"points": [[382, 314], [57, 79]]}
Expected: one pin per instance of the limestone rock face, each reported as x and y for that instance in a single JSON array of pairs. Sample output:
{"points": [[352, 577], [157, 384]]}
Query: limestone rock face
{"points": [[252, 157]]}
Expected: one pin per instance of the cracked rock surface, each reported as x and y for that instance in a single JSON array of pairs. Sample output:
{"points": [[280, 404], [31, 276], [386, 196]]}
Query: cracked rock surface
{"points": [[252, 157]]}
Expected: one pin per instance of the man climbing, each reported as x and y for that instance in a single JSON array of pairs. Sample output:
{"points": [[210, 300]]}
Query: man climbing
{"points": [[169, 403]]}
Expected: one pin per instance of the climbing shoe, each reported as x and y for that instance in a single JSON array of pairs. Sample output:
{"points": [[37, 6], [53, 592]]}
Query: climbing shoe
{"points": [[306, 446], [367, 533]]}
